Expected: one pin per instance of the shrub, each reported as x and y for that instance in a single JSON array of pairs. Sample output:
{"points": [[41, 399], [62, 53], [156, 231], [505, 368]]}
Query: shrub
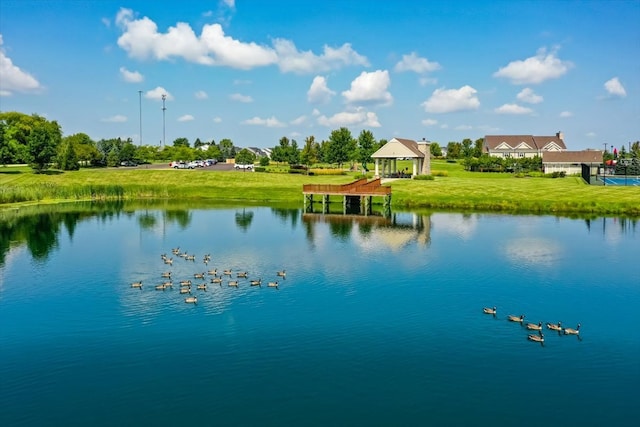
{"points": [[439, 173], [264, 161], [260, 168], [327, 171], [557, 174], [424, 177]]}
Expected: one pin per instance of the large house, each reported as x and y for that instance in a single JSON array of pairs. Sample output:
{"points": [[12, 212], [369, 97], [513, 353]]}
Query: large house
{"points": [[520, 146]]}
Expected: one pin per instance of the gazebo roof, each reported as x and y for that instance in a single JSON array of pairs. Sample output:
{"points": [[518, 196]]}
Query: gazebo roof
{"points": [[398, 148]]}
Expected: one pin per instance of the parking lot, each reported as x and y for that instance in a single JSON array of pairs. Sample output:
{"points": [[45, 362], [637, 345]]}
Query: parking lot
{"points": [[216, 167]]}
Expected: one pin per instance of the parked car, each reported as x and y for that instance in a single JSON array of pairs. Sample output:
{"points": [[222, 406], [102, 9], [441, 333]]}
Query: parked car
{"points": [[240, 166], [128, 163], [181, 165]]}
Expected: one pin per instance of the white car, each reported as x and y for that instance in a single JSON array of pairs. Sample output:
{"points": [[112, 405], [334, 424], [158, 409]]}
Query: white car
{"points": [[240, 166]]}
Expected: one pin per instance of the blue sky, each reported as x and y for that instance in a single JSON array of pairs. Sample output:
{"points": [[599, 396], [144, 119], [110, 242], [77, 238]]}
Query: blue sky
{"points": [[254, 71]]}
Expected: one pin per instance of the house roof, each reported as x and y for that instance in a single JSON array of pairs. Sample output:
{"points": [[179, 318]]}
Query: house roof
{"points": [[524, 142], [398, 148], [585, 156]]}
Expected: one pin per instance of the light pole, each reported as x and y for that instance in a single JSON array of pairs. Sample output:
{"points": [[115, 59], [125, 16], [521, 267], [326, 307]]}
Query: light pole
{"points": [[164, 97], [604, 166], [140, 103]]}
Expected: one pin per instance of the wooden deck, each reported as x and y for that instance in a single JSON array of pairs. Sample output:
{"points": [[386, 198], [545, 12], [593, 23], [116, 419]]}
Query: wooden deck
{"points": [[360, 187], [358, 193]]}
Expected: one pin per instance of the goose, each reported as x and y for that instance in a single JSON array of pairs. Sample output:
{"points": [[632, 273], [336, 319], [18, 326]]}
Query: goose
{"points": [[518, 319], [536, 338], [555, 327], [273, 285], [256, 282], [191, 300], [242, 274], [207, 257], [190, 257], [166, 274], [168, 261], [488, 310], [198, 276], [213, 272], [183, 254], [571, 331], [233, 283], [227, 272], [137, 285], [168, 285], [185, 283], [202, 287], [185, 290], [175, 251], [282, 274], [534, 327], [216, 280], [160, 287]]}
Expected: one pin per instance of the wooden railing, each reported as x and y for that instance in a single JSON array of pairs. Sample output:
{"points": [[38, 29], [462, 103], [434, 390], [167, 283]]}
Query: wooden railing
{"points": [[359, 187]]}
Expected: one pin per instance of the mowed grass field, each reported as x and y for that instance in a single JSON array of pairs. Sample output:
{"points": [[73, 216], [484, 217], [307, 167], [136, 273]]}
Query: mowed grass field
{"points": [[458, 190]]}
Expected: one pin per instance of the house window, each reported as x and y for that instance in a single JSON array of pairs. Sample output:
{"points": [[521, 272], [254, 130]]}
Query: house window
{"points": [[521, 155], [506, 155]]}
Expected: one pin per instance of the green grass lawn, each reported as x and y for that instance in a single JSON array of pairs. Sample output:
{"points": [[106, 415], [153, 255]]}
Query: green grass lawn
{"points": [[457, 190]]}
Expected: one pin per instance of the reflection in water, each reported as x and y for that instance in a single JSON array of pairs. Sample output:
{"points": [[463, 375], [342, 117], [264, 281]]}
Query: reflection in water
{"points": [[243, 219], [394, 232], [38, 227]]}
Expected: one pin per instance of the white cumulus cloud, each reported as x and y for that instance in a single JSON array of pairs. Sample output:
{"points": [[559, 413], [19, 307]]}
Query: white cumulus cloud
{"points": [[142, 39], [615, 88], [201, 94], [270, 122], [413, 62], [536, 69], [450, 100], [565, 114], [370, 88], [217, 120], [130, 76], [429, 122], [359, 117], [319, 92], [12, 78], [513, 109], [240, 98], [157, 93], [118, 118], [186, 118], [529, 96], [290, 59], [299, 120]]}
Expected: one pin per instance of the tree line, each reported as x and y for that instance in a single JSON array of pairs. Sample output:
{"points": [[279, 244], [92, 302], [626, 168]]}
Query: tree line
{"points": [[34, 140]]}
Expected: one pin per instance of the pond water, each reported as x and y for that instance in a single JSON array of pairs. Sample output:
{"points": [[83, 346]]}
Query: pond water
{"points": [[378, 322]]}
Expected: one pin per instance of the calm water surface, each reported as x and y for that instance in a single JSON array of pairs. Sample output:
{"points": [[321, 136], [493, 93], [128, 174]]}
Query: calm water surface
{"points": [[377, 323]]}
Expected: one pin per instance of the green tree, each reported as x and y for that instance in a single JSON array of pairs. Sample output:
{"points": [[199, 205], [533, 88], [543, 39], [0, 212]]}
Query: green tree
{"points": [[309, 153], [42, 144], [85, 148], [340, 146], [213, 152], [181, 142], [197, 143], [67, 157], [365, 148], [435, 149], [294, 153], [467, 148], [454, 150], [245, 157], [478, 147], [227, 149]]}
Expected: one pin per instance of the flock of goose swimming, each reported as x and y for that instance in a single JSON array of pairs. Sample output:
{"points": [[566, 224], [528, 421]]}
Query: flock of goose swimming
{"points": [[539, 337], [226, 275]]}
